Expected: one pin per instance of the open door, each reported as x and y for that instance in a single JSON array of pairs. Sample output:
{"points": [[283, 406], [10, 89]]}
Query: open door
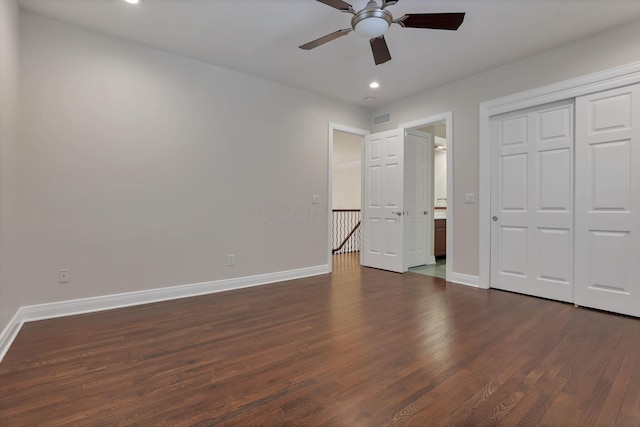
{"points": [[418, 149], [383, 214]]}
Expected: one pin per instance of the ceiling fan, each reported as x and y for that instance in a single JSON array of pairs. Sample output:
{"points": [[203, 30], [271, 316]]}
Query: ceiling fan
{"points": [[374, 20]]}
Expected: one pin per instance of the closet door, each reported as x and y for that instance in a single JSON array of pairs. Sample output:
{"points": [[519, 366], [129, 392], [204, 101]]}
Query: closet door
{"points": [[532, 201], [608, 200]]}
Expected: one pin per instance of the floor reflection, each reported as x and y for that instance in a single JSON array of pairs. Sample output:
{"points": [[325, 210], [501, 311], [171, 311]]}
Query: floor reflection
{"points": [[439, 269]]}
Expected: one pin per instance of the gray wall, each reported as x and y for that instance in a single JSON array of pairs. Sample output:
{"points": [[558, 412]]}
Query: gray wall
{"points": [[140, 169], [9, 299], [347, 170], [597, 53]]}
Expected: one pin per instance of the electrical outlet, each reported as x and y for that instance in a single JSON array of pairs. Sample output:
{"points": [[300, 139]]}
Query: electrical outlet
{"points": [[230, 260], [63, 275]]}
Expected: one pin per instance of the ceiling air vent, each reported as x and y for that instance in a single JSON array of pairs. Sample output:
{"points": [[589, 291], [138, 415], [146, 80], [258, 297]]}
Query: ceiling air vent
{"points": [[382, 119]]}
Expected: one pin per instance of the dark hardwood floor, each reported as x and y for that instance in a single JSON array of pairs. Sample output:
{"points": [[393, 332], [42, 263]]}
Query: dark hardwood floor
{"points": [[359, 347]]}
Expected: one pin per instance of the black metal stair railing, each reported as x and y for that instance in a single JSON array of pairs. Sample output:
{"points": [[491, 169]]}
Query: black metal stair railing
{"points": [[346, 230]]}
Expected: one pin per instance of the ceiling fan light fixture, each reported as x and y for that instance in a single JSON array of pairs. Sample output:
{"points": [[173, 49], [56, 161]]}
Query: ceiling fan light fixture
{"points": [[371, 21], [371, 27]]}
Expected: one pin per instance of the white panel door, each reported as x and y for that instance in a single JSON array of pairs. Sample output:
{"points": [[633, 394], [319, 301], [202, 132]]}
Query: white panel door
{"points": [[382, 215], [418, 187], [608, 200], [532, 201]]}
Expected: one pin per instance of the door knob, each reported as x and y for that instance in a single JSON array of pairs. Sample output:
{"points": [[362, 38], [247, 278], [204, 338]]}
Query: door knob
{"points": [[425, 212], [397, 213], [495, 218]]}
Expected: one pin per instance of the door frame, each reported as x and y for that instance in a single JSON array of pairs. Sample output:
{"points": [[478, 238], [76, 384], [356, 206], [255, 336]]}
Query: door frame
{"points": [[447, 118], [356, 131], [585, 85]]}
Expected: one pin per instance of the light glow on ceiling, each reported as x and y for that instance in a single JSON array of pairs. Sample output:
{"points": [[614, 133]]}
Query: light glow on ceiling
{"points": [[374, 85], [132, 1]]}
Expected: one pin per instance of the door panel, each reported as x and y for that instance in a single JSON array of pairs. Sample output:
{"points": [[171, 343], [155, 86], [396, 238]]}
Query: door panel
{"points": [[514, 182], [373, 236], [555, 125], [610, 275], [555, 189], [513, 131], [532, 183], [514, 244], [608, 200], [608, 113], [555, 254], [383, 231], [610, 170], [418, 149]]}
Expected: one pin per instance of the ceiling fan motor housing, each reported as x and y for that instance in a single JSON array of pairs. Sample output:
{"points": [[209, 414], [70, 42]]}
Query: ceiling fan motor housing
{"points": [[374, 20], [371, 21]]}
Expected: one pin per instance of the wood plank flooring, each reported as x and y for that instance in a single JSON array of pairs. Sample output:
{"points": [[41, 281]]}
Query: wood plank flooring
{"points": [[360, 347]]}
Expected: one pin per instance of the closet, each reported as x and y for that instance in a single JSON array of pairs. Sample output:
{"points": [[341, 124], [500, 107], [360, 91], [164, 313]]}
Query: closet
{"points": [[565, 200]]}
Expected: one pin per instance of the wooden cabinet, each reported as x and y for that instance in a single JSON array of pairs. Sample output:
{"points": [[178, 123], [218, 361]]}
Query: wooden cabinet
{"points": [[440, 237]]}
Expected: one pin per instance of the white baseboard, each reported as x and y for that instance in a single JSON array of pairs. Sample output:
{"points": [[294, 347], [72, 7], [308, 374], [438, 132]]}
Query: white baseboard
{"points": [[465, 279], [10, 333], [431, 260], [52, 310]]}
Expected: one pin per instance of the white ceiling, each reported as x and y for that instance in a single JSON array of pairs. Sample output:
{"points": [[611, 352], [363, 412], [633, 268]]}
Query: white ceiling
{"points": [[261, 37]]}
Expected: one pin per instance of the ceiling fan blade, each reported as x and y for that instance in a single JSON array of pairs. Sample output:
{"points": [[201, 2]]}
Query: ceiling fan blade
{"points": [[380, 50], [436, 21], [386, 3], [325, 39], [340, 5]]}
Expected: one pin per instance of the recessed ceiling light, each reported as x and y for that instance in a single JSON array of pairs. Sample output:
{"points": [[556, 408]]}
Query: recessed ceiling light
{"points": [[369, 98], [374, 85], [132, 1]]}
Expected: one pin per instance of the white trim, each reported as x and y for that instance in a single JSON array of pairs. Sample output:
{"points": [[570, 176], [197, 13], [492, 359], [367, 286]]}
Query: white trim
{"points": [[431, 260], [465, 279], [10, 333], [448, 119], [484, 200], [108, 302], [592, 83], [355, 131]]}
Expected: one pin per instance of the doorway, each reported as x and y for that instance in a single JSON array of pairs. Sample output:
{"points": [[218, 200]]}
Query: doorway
{"points": [[436, 264], [446, 122], [345, 185], [441, 176], [395, 200]]}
